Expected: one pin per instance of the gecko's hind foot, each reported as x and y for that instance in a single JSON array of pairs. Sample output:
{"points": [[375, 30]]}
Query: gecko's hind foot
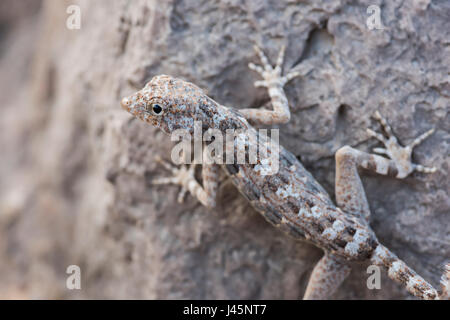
{"points": [[271, 74], [399, 154], [181, 176]]}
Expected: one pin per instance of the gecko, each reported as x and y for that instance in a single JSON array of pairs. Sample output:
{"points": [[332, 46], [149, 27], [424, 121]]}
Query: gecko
{"points": [[290, 199]]}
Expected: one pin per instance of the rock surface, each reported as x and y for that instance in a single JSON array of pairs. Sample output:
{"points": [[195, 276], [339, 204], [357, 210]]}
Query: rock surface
{"points": [[76, 169]]}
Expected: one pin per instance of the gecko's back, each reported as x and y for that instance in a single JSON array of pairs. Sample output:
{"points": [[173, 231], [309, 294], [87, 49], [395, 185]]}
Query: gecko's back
{"points": [[292, 200], [289, 198]]}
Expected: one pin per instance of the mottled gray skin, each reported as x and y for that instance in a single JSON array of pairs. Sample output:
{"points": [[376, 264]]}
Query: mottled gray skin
{"points": [[290, 199], [306, 211]]}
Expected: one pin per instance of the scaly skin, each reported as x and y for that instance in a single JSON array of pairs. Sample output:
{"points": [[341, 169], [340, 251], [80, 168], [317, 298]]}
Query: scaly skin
{"points": [[290, 199]]}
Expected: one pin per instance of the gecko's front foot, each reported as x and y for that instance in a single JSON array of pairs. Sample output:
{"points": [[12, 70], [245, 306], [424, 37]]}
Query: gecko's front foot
{"points": [[182, 176], [274, 81], [271, 75], [399, 154]]}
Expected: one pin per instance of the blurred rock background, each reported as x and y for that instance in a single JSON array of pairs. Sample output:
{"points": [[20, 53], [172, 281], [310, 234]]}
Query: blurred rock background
{"points": [[75, 169]]}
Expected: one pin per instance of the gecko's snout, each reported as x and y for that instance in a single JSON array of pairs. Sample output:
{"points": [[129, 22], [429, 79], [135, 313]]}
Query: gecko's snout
{"points": [[125, 103]]}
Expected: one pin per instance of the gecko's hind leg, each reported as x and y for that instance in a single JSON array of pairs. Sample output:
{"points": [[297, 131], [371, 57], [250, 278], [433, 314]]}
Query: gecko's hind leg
{"points": [[326, 277], [184, 176], [350, 195], [274, 81], [351, 198]]}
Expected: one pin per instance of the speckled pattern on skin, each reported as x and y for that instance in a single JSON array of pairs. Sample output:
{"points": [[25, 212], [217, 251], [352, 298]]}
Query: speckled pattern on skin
{"points": [[290, 199]]}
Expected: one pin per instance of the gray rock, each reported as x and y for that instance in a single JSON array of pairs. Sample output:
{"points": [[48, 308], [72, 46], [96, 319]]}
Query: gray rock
{"points": [[76, 171]]}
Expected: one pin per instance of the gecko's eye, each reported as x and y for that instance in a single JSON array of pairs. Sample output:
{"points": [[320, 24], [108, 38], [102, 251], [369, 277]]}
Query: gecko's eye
{"points": [[156, 108]]}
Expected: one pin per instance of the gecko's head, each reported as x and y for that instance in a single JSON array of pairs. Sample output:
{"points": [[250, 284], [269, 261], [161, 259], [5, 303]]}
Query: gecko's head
{"points": [[167, 103]]}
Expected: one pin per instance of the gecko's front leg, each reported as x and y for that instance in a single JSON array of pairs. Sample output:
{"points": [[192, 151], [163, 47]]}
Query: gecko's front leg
{"points": [[184, 176], [274, 81]]}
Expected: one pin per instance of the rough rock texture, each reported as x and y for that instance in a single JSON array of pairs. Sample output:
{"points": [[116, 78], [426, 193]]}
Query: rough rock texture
{"points": [[76, 169]]}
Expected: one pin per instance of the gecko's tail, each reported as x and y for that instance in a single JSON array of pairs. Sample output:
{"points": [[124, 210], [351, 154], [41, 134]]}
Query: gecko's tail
{"points": [[415, 284]]}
